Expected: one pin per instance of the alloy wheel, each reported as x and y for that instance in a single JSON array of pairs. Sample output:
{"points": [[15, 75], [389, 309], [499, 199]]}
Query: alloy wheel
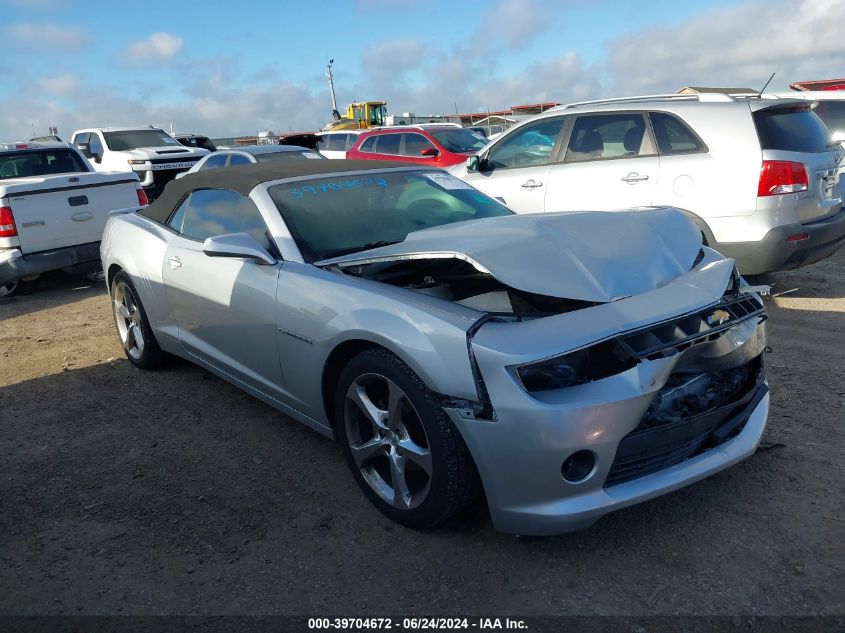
{"points": [[388, 441], [128, 318]]}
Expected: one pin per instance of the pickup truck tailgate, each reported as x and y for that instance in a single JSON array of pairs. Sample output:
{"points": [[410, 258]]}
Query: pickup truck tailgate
{"points": [[57, 211]]}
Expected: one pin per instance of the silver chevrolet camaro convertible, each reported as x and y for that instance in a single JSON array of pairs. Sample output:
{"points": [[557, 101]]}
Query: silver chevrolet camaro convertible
{"points": [[565, 365]]}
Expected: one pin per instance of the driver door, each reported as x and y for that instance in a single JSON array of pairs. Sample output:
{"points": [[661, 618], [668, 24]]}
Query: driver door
{"points": [[516, 169], [224, 307]]}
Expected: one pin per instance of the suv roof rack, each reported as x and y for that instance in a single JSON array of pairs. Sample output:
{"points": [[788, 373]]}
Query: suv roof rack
{"points": [[706, 97]]}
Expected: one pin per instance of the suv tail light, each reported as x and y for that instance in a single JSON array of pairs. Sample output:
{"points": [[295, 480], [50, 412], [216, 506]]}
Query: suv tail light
{"points": [[7, 223], [142, 197], [781, 176]]}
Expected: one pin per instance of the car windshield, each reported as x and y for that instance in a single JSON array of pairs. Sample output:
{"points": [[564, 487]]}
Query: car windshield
{"points": [[40, 163], [133, 139], [274, 157], [330, 217], [459, 140]]}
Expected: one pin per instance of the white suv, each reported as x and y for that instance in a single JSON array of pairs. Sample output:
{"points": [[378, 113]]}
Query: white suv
{"points": [[759, 177]]}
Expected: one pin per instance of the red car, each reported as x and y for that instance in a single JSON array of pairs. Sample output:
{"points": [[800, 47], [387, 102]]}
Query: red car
{"points": [[436, 145]]}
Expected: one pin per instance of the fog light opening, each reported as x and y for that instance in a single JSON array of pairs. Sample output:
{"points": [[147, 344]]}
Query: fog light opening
{"points": [[578, 466]]}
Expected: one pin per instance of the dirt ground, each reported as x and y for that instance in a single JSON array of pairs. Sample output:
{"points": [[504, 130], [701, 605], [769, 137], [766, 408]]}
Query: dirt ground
{"points": [[172, 492]]}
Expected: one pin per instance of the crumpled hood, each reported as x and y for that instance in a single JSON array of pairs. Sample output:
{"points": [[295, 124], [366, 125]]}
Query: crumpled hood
{"points": [[596, 256]]}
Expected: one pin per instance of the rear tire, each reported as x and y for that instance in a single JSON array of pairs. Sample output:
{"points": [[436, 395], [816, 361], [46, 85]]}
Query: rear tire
{"points": [[133, 328], [18, 288], [404, 452]]}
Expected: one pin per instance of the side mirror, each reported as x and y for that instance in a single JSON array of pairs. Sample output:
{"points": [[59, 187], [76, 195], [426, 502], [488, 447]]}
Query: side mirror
{"points": [[237, 245], [429, 151], [473, 163], [85, 149]]}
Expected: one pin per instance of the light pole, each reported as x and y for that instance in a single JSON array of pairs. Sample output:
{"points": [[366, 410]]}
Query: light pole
{"points": [[335, 113]]}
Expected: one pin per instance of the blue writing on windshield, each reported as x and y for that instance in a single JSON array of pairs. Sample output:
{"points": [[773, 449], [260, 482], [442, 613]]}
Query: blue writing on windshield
{"points": [[339, 185]]}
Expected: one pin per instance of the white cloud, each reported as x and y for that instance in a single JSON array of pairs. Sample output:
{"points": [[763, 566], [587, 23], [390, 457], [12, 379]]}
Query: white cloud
{"points": [[62, 84], [156, 49], [737, 46], [514, 23], [44, 36]]}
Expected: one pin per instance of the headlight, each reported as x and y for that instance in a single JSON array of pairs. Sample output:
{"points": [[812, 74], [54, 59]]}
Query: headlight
{"points": [[136, 162], [576, 368], [555, 373]]}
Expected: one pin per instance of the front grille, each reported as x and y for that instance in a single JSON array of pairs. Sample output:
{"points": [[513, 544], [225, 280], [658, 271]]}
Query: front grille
{"points": [[166, 161], [694, 424], [800, 256], [678, 334]]}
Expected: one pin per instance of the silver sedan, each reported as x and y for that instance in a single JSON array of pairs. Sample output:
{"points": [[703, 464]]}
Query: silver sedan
{"points": [[563, 365]]}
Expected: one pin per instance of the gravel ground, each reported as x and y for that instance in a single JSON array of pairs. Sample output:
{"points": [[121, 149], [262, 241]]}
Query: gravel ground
{"points": [[171, 492]]}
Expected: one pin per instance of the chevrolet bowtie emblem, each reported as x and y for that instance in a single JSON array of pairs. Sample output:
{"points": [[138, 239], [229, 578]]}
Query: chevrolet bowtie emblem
{"points": [[718, 317]]}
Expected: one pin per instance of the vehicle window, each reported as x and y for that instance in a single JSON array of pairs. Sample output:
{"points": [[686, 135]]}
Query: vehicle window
{"points": [[793, 129], [21, 164], [414, 144], [337, 142], [369, 145], [178, 217], [602, 136], [202, 142], [350, 141], [833, 114], [238, 159], [95, 146], [459, 140], [388, 143], [673, 136], [211, 212], [133, 139], [217, 160], [329, 217], [530, 145]]}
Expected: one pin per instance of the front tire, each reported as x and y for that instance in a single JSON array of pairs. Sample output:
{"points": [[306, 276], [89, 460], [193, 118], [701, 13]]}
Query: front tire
{"points": [[133, 328], [404, 452]]}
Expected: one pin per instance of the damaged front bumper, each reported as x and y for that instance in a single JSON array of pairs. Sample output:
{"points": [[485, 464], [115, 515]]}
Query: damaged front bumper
{"points": [[646, 431]]}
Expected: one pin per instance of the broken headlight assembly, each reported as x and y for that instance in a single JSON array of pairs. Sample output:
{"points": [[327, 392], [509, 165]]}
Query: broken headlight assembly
{"points": [[575, 368]]}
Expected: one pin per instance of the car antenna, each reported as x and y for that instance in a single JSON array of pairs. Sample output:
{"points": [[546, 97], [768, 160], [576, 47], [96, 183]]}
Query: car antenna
{"points": [[766, 85]]}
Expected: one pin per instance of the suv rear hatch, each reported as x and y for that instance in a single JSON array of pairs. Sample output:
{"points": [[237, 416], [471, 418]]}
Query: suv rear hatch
{"points": [[792, 133]]}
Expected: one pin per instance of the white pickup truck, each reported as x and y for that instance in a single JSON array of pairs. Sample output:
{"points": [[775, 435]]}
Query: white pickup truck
{"points": [[53, 207], [154, 155]]}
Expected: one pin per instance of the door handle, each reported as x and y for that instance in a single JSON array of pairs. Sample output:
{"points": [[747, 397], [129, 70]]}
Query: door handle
{"points": [[174, 263], [633, 178], [531, 184]]}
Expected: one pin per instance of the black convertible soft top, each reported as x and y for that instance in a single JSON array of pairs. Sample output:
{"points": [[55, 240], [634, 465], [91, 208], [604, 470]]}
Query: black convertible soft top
{"points": [[244, 178]]}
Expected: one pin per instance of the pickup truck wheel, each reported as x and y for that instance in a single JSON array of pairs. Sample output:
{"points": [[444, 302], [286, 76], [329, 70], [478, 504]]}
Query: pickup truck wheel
{"points": [[133, 328], [403, 450], [19, 287]]}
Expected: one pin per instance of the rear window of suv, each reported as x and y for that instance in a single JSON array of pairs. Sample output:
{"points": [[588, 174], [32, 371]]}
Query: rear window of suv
{"points": [[833, 114], [793, 129]]}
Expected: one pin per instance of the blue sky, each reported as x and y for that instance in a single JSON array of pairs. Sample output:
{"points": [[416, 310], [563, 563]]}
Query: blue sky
{"points": [[227, 68]]}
